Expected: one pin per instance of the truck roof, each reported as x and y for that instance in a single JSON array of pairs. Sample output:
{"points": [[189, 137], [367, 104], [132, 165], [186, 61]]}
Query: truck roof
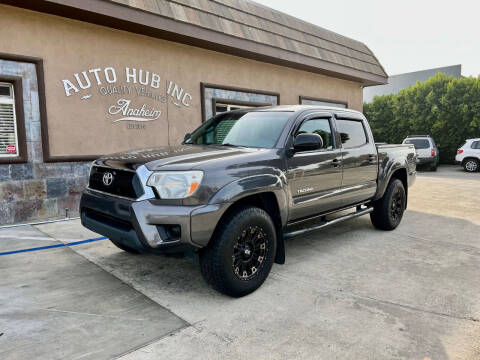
{"points": [[298, 108]]}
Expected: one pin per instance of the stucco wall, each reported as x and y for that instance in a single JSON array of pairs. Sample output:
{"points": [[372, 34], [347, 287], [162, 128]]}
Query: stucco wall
{"points": [[80, 124], [81, 127]]}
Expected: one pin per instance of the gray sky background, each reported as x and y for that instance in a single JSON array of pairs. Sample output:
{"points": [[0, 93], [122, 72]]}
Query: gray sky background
{"points": [[407, 35]]}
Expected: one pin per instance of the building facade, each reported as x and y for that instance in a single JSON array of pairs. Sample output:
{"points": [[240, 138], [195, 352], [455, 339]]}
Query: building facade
{"points": [[79, 79], [396, 83]]}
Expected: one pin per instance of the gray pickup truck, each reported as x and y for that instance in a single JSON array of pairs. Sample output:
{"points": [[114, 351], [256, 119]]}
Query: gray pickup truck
{"points": [[245, 181]]}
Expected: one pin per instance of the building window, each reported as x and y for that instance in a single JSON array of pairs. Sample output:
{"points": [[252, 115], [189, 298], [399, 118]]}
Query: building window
{"points": [[12, 128], [217, 99], [305, 100], [220, 106], [8, 123]]}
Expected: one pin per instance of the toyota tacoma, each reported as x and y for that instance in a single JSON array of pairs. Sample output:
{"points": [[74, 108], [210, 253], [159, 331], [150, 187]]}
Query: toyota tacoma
{"points": [[245, 181]]}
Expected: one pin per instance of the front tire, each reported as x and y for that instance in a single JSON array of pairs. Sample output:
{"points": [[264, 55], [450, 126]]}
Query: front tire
{"points": [[388, 211], [241, 253], [471, 165]]}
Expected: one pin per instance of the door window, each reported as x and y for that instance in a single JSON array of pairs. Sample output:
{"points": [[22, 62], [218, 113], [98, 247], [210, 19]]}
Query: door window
{"points": [[352, 133], [476, 145], [320, 127]]}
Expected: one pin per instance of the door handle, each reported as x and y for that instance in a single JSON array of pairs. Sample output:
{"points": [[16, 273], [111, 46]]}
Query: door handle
{"points": [[336, 162]]}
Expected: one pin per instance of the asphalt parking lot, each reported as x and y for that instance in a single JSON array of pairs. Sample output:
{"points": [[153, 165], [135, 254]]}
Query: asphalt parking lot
{"points": [[348, 292]]}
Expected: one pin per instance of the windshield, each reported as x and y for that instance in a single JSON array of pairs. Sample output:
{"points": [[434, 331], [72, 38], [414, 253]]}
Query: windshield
{"points": [[418, 143], [259, 129]]}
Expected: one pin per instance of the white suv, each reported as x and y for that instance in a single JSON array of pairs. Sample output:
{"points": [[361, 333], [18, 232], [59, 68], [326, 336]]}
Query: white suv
{"points": [[469, 155], [426, 149]]}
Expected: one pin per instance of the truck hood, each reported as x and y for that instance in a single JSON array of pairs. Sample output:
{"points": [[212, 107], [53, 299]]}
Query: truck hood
{"points": [[182, 157]]}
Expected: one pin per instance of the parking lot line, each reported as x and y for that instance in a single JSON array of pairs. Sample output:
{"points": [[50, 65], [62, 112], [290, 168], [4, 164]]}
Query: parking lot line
{"points": [[52, 246]]}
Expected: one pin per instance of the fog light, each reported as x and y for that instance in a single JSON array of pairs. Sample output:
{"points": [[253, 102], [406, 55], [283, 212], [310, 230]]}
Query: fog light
{"points": [[174, 232], [170, 233]]}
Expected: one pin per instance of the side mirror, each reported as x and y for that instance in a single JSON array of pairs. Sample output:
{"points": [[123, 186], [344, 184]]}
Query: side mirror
{"points": [[307, 142], [187, 136]]}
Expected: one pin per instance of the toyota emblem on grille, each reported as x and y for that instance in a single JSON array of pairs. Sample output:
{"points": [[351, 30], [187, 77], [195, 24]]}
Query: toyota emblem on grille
{"points": [[108, 178]]}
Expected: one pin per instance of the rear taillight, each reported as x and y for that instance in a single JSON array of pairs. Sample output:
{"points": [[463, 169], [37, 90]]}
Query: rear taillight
{"points": [[433, 152], [459, 151]]}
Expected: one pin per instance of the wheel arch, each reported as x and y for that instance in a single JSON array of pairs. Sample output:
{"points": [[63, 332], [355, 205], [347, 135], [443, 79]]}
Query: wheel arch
{"points": [[399, 173]]}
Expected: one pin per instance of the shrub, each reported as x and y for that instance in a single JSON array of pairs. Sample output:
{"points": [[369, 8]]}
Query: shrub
{"points": [[444, 107]]}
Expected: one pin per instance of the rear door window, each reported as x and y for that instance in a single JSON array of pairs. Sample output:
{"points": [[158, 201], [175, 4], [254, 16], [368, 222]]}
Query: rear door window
{"points": [[352, 133], [476, 145]]}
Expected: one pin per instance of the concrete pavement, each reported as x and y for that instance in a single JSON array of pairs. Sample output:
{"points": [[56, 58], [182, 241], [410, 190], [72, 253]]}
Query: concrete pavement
{"points": [[56, 304], [349, 292]]}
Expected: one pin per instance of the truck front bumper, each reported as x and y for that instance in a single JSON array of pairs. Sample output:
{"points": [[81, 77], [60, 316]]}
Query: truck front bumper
{"points": [[147, 226]]}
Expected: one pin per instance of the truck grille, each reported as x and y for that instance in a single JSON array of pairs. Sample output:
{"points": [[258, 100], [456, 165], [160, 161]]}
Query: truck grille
{"points": [[121, 182]]}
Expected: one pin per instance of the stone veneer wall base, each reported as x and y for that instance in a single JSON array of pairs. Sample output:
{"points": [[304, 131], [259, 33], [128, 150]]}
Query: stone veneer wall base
{"points": [[37, 190]]}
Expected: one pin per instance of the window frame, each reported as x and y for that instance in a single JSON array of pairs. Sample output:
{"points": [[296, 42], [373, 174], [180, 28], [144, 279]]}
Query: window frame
{"points": [[367, 138], [17, 86], [228, 102], [323, 100], [203, 90]]}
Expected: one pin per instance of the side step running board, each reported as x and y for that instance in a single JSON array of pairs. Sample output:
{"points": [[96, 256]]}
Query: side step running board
{"points": [[326, 223]]}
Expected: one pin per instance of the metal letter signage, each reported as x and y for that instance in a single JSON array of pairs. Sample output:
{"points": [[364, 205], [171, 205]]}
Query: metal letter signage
{"points": [[129, 88]]}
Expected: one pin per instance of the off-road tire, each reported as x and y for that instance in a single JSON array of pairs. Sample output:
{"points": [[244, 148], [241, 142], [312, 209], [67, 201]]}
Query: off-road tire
{"points": [[471, 165], [388, 211], [125, 248], [217, 261]]}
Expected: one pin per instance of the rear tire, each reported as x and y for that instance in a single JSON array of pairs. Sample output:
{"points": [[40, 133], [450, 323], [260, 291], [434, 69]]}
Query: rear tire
{"points": [[241, 252], [433, 167], [388, 211], [125, 248], [471, 165]]}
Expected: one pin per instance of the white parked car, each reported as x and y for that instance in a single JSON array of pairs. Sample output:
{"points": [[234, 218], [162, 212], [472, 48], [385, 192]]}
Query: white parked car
{"points": [[469, 155], [427, 150]]}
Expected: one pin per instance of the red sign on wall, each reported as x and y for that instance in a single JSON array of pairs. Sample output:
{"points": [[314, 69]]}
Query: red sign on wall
{"points": [[11, 149]]}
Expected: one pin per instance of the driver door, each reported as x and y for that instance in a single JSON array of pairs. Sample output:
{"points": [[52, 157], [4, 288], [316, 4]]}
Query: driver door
{"points": [[315, 176]]}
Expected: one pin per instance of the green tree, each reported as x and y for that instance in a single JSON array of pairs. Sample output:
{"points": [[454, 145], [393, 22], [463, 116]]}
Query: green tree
{"points": [[444, 107]]}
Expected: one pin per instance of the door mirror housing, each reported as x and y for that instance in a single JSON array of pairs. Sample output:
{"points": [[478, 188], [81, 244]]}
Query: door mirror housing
{"points": [[307, 142]]}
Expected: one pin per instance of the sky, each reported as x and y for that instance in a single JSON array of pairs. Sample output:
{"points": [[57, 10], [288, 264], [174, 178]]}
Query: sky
{"points": [[405, 35]]}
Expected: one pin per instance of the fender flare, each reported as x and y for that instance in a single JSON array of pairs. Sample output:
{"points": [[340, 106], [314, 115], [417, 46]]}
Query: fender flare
{"points": [[257, 184], [385, 177], [252, 185]]}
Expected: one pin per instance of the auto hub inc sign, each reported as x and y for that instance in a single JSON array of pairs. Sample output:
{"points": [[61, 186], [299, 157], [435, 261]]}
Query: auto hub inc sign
{"points": [[133, 95]]}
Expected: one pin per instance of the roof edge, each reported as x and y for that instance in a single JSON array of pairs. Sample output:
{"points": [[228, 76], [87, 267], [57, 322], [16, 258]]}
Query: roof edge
{"points": [[122, 17]]}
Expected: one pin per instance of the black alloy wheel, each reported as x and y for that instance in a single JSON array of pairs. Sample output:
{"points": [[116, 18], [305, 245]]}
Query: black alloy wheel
{"points": [[398, 205], [249, 253]]}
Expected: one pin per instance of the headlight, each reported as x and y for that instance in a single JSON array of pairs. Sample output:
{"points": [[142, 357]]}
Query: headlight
{"points": [[175, 184]]}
